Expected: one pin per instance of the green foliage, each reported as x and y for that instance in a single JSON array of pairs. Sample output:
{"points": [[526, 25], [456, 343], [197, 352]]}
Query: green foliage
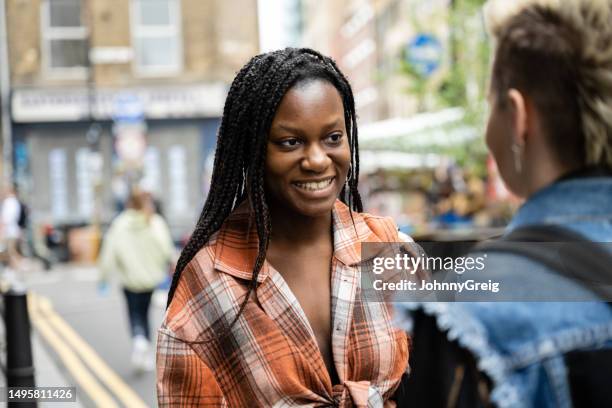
{"points": [[418, 83], [452, 90], [465, 81]]}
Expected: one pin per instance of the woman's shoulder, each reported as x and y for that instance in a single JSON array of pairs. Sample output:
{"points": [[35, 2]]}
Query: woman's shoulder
{"points": [[385, 228], [158, 220]]}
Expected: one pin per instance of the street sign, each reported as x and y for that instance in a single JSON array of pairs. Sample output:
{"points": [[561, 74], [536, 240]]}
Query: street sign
{"points": [[127, 108], [129, 129], [130, 144], [424, 53]]}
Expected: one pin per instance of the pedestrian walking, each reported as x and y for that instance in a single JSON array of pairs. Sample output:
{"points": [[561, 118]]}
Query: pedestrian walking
{"points": [[139, 248], [265, 307], [12, 215]]}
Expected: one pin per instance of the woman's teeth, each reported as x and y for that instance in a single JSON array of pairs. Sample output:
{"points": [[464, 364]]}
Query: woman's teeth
{"points": [[315, 186]]}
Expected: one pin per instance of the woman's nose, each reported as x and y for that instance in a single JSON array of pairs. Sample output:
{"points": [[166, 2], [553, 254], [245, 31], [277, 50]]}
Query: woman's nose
{"points": [[316, 159]]}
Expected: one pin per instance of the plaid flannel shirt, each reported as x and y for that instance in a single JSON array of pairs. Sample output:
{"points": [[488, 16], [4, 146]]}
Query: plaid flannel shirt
{"points": [[271, 357]]}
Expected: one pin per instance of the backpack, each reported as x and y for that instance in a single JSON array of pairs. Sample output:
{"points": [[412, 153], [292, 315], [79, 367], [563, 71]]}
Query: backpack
{"points": [[23, 219], [584, 260], [444, 374]]}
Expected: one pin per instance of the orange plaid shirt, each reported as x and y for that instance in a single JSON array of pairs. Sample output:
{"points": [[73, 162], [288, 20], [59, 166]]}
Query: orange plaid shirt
{"points": [[271, 357]]}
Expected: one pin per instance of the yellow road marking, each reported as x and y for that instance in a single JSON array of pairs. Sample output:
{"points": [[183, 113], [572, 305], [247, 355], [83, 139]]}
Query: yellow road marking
{"points": [[81, 375], [121, 390]]}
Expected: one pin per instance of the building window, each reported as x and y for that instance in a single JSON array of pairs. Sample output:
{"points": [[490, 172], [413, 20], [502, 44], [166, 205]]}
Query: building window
{"points": [[64, 37], [156, 37]]}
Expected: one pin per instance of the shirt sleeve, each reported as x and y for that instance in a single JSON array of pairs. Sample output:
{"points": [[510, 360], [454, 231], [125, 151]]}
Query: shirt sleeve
{"points": [[183, 379], [10, 211], [107, 262], [162, 232]]}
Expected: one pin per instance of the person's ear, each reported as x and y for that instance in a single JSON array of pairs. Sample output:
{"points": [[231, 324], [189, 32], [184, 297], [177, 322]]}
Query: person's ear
{"points": [[519, 116]]}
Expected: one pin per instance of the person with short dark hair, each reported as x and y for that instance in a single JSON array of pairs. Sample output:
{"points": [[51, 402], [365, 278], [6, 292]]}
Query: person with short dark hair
{"points": [[265, 306], [550, 132]]}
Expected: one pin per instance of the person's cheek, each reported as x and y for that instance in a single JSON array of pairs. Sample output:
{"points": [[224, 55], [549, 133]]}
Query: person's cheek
{"points": [[279, 174]]}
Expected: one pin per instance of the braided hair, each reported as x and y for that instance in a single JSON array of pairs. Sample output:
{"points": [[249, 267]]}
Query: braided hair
{"points": [[240, 156]]}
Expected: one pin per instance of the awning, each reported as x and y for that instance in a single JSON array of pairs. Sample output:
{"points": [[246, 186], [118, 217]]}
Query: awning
{"points": [[371, 161], [422, 133]]}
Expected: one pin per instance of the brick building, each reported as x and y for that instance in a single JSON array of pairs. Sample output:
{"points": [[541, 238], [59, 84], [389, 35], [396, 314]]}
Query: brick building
{"points": [[368, 38], [76, 62]]}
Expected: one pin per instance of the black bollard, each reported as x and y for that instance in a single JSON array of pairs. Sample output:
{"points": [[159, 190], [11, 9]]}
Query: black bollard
{"points": [[19, 365]]}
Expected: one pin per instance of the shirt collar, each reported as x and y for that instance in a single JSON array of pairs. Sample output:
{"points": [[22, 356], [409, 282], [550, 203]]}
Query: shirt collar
{"points": [[350, 231], [236, 244], [565, 200]]}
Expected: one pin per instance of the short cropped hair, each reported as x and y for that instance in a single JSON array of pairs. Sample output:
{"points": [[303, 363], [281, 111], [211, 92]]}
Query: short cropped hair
{"points": [[559, 53]]}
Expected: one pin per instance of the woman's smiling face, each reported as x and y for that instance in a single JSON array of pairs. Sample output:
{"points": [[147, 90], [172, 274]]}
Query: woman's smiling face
{"points": [[308, 154]]}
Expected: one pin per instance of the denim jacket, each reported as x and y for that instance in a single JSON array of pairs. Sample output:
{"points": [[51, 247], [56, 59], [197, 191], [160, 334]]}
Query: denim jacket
{"points": [[521, 345]]}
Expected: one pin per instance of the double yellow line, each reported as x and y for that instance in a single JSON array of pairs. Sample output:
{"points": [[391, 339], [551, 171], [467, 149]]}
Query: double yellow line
{"points": [[76, 353]]}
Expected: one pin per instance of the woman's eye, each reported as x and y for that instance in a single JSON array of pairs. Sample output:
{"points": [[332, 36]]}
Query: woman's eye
{"points": [[335, 138], [289, 142]]}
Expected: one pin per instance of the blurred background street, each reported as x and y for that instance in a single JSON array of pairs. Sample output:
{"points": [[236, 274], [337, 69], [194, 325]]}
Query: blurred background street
{"points": [[99, 320], [90, 328], [99, 96]]}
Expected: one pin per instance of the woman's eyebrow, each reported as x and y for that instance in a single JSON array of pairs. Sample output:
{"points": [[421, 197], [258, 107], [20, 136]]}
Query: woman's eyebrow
{"points": [[333, 124], [288, 128]]}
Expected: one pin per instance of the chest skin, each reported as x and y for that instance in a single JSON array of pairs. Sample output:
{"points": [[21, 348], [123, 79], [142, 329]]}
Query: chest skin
{"points": [[307, 271]]}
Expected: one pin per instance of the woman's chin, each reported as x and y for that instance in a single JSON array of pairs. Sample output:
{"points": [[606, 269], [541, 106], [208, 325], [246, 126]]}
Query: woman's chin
{"points": [[315, 209]]}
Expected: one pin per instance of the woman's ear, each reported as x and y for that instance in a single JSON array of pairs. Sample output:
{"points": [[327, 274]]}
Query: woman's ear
{"points": [[519, 116]]}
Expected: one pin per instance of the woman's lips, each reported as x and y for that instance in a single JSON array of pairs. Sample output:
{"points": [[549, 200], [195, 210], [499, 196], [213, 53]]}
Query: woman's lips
{"points": [[314, 185], [315, 189]]}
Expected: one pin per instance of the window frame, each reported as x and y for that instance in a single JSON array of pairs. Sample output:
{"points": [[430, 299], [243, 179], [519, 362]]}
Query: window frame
{"points": [[49, 33], [139, 31]]}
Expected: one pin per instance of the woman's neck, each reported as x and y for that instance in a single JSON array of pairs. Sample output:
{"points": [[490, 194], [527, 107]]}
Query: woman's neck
{"points": [[289, 227]]}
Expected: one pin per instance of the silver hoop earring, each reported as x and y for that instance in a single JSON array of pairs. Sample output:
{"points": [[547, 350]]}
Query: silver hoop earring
{"points": [[517, 153]]}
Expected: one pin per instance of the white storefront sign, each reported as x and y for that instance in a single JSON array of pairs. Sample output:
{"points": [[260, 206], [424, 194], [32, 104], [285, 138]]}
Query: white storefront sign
{"points": [[73, 104]]}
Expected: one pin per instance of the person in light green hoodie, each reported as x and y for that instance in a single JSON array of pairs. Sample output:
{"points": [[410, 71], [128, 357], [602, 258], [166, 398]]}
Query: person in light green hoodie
{"points": [[139, 249]]}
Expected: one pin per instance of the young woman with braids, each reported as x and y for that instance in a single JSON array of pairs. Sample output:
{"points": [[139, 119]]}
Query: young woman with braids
{"points": [[265, 307]]}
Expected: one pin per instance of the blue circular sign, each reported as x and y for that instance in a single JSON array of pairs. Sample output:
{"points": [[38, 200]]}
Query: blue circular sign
{"points": [[424, 53]]}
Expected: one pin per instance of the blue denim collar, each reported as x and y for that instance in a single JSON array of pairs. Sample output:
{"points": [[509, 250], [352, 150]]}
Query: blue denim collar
{"points": [[568, 201]]}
